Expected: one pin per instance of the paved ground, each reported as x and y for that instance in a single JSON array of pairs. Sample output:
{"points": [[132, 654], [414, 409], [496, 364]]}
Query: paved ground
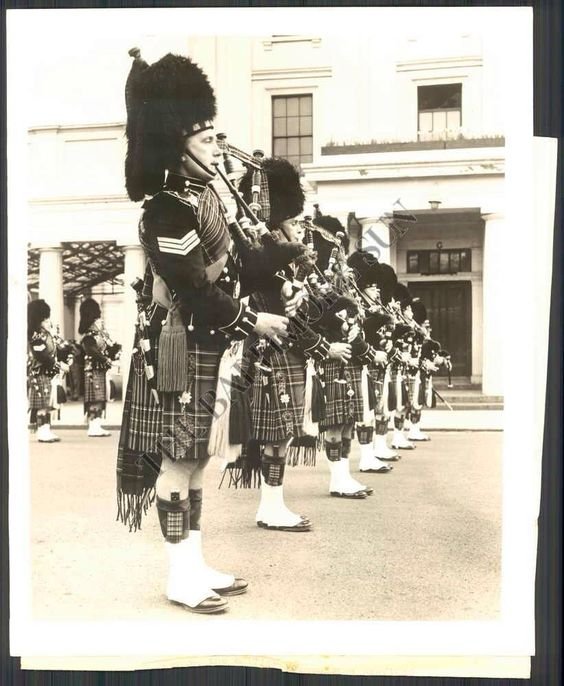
{"points": [[425, 546]]}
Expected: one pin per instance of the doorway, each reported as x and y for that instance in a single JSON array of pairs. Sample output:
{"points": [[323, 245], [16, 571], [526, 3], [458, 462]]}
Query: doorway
{"points": [[449, 309]]}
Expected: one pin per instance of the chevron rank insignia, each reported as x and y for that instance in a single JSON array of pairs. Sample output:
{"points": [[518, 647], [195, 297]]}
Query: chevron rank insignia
{"points": [[178, 246]]}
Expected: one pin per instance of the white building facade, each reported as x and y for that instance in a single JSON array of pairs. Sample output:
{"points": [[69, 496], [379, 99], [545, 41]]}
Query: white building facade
{"points": [[402, 122]]}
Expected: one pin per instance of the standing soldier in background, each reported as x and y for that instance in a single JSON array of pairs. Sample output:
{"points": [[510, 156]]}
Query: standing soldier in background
{"points": [[43, 367], [99, 352]]}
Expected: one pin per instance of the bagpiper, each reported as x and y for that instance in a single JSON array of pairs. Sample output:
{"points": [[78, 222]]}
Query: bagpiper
{"points": [[43, 368], [193, 284], [283, 384], [99, 351], [343, 382]]}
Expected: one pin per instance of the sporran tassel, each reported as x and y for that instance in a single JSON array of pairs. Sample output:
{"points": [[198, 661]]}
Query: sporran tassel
{"points": [[172, 368]]}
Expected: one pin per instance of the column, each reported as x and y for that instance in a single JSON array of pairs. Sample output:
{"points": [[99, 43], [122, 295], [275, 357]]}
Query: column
{"points": [[51, 282], [134, 267], [376, 237], [494, 301]]}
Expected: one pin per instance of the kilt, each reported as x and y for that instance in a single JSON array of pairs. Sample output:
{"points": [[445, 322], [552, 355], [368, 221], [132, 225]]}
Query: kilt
{"points": [[143, 413], [277, 403], [39, 394], [343, 401], [185, 426], [94, 387]]}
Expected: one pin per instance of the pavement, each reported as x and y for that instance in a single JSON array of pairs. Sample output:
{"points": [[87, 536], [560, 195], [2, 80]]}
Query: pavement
{"points": [[436, 419], [425, 546]]}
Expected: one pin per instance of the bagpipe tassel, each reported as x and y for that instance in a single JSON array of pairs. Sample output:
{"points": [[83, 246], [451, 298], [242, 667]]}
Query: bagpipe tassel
{"points": [[172, 368], [309, 426], [367, 411], [219, 444], [399, 392]]}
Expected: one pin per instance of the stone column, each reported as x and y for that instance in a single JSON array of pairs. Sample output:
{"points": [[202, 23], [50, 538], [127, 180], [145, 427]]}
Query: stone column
{"points": [[494, 302], [51, 282], [376, 237], [134, 267]]}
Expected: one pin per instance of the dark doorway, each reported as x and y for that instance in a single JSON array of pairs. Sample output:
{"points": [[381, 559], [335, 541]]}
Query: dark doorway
{"points": [[449, 308]]}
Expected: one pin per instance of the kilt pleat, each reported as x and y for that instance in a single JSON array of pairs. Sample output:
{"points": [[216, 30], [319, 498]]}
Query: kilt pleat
{"points": [[186, 426], [95, 386], [39, 394], [144, 415], [277, 403], [343, 400]]}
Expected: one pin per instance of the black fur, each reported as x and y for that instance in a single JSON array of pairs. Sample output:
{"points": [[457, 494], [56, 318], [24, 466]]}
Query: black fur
{"points": [[164, 101]]}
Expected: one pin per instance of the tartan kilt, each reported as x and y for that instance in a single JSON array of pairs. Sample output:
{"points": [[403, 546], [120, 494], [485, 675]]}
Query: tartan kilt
{"points": [[343, 402], [143, 423], [95, 386], [39, 394], [185, 429], [274, 420]]}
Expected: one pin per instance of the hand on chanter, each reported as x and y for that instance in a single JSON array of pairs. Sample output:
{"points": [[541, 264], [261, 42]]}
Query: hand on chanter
{"points": [[271, 325], [353, 333], [293, 303], [340, 351]]}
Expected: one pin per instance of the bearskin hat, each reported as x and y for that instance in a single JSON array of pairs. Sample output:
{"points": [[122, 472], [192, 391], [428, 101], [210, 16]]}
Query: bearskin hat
{"points": [[386, 280], [401, 294], [419, 310], [372, 325], [365, 266], [165, 102], [37, 311], [430, 348], [329, 320], [334, 226], [401, 330], [285, 194], [89, 312]]}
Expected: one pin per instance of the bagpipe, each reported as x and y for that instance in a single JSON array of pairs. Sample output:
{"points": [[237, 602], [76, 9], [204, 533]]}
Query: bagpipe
{"points": [[291, 263]]}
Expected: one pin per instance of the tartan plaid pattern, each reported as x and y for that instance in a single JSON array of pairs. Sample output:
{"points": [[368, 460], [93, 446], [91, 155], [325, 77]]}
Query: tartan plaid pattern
{"points": [[39, 394], [341, 407], [143, 412], [277, 403], [174, 526], [186, 427], [95, 386]]}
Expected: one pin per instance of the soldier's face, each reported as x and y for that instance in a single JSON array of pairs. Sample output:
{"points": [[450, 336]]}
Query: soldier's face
{"points": [[293, 230], [201, 155], [373, 292]]}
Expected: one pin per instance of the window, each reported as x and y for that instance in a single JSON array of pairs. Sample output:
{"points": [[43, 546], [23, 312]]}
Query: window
{"points": [[292, 128], [439, 110], [439, 261]]}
